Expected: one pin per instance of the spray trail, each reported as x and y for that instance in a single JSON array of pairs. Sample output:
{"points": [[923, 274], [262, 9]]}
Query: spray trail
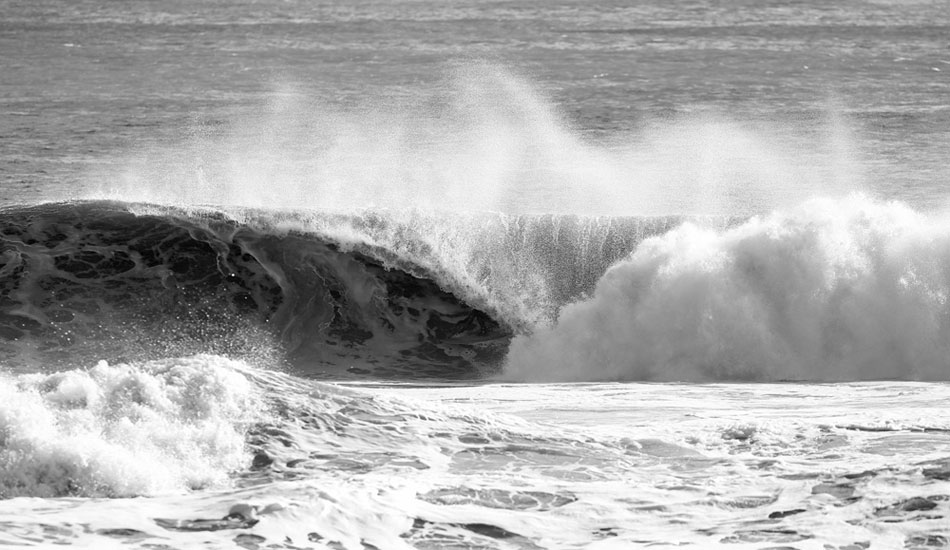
{"points": [[486, 140]]}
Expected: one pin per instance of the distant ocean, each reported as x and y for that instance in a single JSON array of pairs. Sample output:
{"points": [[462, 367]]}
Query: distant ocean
{"points": [[475, 275]]}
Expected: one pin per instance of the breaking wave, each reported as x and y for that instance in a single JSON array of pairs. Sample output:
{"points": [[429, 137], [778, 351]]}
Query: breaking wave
{"points": [[834, 289], [470, 233], [371, 293]]}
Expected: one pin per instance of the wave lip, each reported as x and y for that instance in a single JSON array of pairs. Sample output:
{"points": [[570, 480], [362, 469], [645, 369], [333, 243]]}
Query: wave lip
{"points": [[835, 289]]}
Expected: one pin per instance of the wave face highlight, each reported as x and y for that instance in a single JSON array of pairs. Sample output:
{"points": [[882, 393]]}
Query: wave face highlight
{"points": [[848, 289]]}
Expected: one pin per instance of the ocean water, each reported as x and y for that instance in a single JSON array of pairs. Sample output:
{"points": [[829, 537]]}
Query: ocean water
{"points": [[475, 275]]}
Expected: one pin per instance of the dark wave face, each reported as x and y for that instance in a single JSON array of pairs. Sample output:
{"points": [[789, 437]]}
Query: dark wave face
{"points": [[87, 281]]}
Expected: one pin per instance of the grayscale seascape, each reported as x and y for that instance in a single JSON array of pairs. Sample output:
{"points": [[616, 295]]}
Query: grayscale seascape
{"points": [[475, 275]]}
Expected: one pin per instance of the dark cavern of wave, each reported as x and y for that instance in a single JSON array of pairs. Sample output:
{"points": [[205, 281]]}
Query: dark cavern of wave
{"points": [[86, 281]]}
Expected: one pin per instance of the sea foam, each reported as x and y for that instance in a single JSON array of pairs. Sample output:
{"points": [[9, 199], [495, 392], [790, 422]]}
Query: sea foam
{"points": [[123, 430], [834, 289]]}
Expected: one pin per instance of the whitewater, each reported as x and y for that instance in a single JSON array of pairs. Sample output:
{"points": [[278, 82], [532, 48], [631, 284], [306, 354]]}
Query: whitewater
{"points": [[415, 276]]}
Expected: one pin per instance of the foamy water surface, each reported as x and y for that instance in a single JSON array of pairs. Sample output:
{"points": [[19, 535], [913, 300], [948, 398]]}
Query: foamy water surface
{"points": [[510, 466]]}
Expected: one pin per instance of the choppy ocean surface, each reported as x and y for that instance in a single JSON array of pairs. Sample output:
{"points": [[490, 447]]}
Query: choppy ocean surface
{"points": [[482, 275]]}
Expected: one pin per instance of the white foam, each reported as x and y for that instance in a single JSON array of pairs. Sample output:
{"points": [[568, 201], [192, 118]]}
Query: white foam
{"points": [[124, 430], [849, 289], [590, 465]]}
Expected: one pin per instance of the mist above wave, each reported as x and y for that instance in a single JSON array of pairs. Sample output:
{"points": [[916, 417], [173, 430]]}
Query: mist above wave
{"points": [[485, 140], [849, 289]]}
